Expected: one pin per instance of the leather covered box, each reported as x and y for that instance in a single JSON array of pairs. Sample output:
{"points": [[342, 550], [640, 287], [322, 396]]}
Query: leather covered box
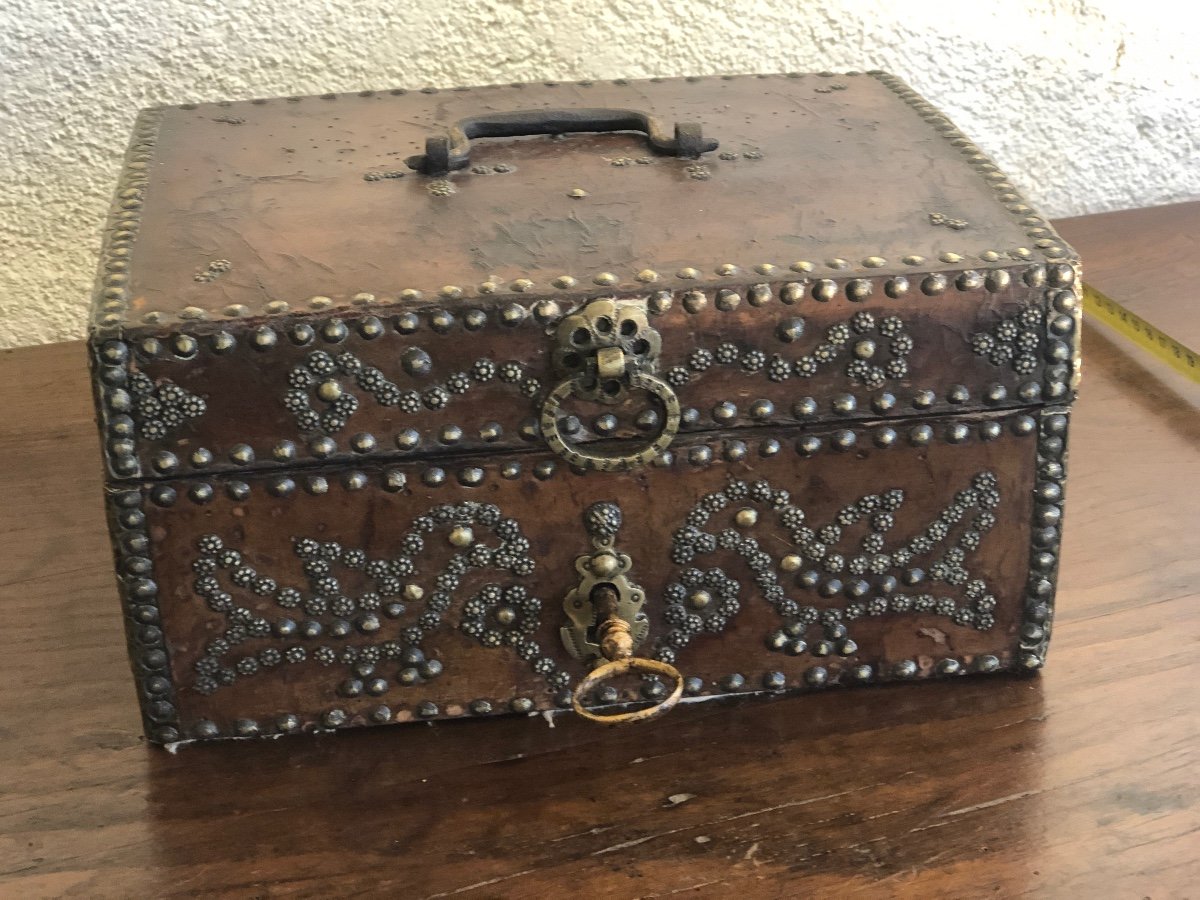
{"points": [[434, 404]]}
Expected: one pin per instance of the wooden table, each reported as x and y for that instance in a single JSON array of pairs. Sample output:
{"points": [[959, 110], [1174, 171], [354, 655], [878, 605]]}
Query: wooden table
{"points": [[1083, 782]]}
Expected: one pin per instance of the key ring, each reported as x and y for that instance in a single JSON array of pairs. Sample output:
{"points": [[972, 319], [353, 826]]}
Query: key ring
{"points": [[616, 667]]}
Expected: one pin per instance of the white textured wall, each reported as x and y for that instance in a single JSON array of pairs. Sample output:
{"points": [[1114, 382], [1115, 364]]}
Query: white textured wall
{"points": [[1088, 104]]}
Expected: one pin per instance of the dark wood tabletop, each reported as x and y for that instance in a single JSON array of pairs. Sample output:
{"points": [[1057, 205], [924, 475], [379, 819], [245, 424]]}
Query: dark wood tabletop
{"points": [[1081, 782]]}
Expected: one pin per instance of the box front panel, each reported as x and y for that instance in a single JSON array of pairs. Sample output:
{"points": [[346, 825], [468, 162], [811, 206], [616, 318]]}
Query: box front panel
{"points": [[451, 377], [330, 598]]}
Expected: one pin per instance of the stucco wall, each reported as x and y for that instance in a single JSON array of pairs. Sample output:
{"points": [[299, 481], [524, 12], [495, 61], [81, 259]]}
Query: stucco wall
{"points": [[1088, 104]]}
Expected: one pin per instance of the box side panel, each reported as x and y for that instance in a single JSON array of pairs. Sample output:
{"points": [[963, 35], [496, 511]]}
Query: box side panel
{"points": [[358, 596]]}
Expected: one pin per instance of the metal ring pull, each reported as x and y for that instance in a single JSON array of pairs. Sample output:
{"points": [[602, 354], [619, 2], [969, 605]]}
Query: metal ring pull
{"points": [[612, 669], [615, 461]]}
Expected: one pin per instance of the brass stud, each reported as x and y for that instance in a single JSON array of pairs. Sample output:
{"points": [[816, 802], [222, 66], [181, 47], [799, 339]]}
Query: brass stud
{"points": [[451, 292], [605, 278], [746, 518], [370, 327], [513, 314], [647, 276], [825, 290], [222, 342], [802, 266], [874, 262], [521, 285], [859, 289], [896, 287], [694, 301], [688, 273], [969, 280], [791, 563], [546, 311], [935, 284], [759, 295], [997, 280], [659, 302], [727, 269], [765, 269], [564, 282], [699, 599], [792, 292]]}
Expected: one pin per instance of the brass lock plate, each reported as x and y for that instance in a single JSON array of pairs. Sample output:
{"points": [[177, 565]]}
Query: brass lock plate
{"points": [[603, 567]]}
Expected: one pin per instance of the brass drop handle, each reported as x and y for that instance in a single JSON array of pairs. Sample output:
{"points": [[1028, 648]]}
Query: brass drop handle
{"points": [[614, 461], [606, 351], [616, 643]]}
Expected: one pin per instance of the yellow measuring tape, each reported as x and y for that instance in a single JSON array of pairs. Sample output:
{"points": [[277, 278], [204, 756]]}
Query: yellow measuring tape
{"points": [[1156, 342]]}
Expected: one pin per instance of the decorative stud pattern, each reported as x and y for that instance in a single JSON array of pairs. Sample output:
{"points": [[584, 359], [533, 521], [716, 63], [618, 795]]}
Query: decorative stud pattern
{"points": [[326, 622], [1014, 341], [861, 338], [158, 409], [707, 599]]}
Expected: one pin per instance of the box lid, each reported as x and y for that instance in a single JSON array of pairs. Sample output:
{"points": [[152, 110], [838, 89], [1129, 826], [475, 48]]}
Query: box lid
{"points": [[286, 280]]}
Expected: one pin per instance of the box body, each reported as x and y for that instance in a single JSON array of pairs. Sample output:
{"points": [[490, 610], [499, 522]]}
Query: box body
{"points": [[358, 433]]}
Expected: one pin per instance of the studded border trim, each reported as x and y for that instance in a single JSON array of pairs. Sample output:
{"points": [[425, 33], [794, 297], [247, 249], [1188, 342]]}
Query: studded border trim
{"points": [[1046, 538], [148, 651], [110, 303], [111, 300], [513, 465]]}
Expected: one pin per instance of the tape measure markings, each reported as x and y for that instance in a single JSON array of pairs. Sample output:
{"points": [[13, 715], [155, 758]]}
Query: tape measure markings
{"points": [[1151, 339]]}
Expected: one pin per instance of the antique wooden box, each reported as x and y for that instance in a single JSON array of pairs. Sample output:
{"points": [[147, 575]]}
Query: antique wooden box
{"points": [[418, 405]]}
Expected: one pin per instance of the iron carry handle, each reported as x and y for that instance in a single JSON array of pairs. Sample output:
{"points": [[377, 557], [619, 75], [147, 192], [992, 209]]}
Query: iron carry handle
{"points": [[446, 152]]}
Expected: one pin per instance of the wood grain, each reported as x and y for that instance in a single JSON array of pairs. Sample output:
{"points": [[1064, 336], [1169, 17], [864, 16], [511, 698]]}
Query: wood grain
{"points": [[1083, 782], [1156, 268]]}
